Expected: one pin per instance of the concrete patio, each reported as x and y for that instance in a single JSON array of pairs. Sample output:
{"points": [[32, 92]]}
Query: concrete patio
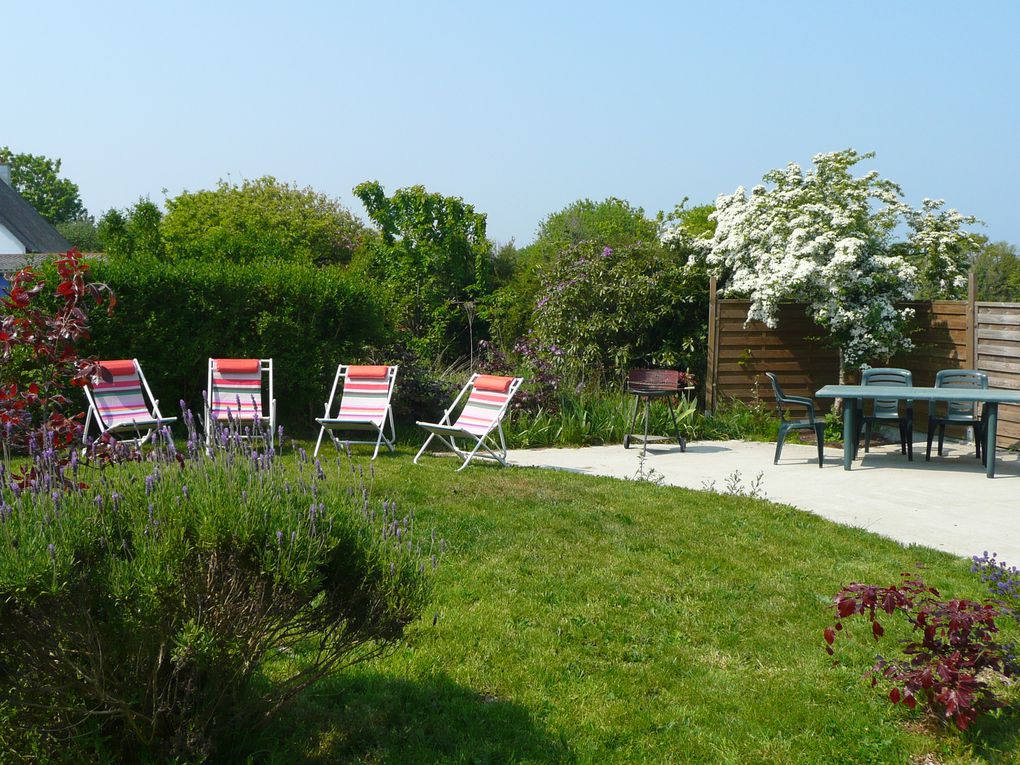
{"points": [[947, 503]]}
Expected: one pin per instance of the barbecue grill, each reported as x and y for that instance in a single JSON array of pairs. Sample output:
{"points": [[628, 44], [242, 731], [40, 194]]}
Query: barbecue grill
{"points": [[648, 384]]}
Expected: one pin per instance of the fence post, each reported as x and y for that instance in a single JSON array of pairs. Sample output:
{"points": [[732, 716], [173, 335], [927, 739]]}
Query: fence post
{"points": [[971, 320], [712, 352]]}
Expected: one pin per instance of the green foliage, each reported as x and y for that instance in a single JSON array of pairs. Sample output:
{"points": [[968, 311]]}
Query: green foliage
{"points": [[135, 232], [257, 220], [611, 308], [36, 178], [174, 316], [601, 416], [82, 234], [610, 223], [164, 590], [434, 260], [997, 272]]}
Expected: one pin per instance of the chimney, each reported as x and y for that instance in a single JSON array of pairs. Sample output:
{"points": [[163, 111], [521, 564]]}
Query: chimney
{"points": [[5, 174]]}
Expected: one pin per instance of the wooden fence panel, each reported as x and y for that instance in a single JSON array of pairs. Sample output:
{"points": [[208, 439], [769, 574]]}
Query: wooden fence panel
{"points": [[998, 354], [951, 334]]}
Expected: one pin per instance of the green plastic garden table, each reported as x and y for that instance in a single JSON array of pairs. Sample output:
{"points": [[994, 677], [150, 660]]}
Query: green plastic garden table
{"points": [[852, 394]]}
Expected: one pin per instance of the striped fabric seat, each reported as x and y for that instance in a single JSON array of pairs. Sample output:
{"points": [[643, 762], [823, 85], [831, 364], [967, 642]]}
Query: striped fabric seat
{"points": [[484, 406], [236, 390], [364, 406], [366, 396], [119, 398], [480, 420]]}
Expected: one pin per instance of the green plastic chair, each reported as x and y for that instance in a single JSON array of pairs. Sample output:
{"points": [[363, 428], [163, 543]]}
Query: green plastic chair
{"points": [[957, 412], [785, 425], [887, 409]]}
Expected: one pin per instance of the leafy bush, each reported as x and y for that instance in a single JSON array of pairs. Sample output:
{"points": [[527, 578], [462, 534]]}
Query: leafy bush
{"points": [[258, 220], [1002, 580], [174, 316], [612, 308], [40, 331], [610, 223], [947, 667], [141, 609]]}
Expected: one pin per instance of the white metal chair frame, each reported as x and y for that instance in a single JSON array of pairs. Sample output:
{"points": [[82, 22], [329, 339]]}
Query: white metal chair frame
{"points": [[266, 369], [448, 433], [95, 415], [329, 424]]}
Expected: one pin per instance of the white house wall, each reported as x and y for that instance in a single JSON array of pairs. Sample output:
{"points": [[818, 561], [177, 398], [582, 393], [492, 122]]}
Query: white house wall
{"points": [[9, 244]]}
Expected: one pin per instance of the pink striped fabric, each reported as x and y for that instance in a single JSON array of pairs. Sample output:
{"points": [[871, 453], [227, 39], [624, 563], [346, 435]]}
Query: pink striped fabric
{"points": [[365, 398], [119, 397], [236, 394], [482, 411]]}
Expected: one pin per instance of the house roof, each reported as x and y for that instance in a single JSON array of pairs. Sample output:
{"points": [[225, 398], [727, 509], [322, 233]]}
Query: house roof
{"points": [[28, 226]]}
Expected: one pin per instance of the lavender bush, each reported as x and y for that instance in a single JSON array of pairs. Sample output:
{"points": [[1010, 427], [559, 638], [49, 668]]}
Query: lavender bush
{"points": [[141, 601]]}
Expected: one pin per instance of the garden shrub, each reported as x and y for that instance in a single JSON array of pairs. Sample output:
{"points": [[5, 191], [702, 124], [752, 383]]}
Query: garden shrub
{"points": [[140, 603], [609, 309], [952, 657], [174, 316], [257, 220]]}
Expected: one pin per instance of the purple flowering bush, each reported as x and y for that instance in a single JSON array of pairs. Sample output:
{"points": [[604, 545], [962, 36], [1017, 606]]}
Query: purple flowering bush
{"points": [[1002, 581], [542, 388], [140, 600], [609, 309]]}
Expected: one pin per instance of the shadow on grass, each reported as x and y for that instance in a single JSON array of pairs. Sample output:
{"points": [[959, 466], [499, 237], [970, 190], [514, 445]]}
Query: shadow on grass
{"points": [[996, 739], [381, 719]]}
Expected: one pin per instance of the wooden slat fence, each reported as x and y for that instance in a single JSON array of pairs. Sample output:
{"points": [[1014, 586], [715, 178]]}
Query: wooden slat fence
{"points": [[951, 334], [998, 354]]}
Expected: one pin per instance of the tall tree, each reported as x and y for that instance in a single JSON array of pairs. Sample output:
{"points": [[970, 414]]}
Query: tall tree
{"points": [[37, 179], [434, 257], [825, 237]]}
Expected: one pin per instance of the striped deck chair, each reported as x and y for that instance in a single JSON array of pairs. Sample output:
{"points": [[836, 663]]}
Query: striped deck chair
{"points": [[235, 395], [117, 403], [483, 413], [364, 405]]}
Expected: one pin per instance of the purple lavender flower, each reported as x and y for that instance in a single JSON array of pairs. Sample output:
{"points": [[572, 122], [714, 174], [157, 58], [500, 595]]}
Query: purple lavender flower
{"points": [[52, 549], [279, 537], [184, 491]]}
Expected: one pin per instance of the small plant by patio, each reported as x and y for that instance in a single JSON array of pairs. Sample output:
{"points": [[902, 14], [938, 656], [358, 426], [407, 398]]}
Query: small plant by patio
{"points": [[140, 603], [946, 670]]}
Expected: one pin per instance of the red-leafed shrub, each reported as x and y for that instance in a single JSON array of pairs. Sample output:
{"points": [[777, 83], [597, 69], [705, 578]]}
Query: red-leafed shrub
{"points": [[40, 330], [950, 656]]}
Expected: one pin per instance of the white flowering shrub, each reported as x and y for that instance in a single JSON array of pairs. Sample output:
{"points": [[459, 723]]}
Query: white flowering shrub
{"points": [[824, 237]]}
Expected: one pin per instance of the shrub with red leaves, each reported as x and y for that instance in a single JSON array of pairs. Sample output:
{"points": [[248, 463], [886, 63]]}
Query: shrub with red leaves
{"points": [[44, 328], [948, 656]]}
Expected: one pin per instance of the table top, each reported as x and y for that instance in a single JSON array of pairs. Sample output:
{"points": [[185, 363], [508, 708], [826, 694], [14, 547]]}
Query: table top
{"points": [[997, 395]]}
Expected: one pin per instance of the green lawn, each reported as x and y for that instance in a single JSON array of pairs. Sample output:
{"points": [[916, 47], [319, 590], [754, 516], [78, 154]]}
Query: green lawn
{"points": [[589, 620]]}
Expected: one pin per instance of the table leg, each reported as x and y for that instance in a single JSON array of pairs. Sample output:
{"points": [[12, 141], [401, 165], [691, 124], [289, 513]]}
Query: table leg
{"points": [[990, 428], [849, 428]]}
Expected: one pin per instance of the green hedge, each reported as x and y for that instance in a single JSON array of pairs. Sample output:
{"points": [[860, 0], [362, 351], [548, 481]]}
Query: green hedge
{"points": [[173, 316]]}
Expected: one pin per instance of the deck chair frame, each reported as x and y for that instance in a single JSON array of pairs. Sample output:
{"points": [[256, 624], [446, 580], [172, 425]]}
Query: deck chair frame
{"points": [[96, 416], [266, 371], [447, 432], [330, 424]]}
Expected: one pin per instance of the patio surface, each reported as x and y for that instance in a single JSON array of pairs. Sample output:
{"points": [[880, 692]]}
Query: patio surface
{"points": [[947, 503]]}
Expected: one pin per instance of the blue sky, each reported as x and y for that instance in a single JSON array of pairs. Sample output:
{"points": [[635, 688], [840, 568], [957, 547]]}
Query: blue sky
{"points": [[520, 108]]}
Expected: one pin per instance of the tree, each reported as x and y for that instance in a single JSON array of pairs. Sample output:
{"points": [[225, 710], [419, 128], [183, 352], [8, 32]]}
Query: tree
{"points": [[433, 256], [257, 219], [997, 272], [36, 178], [608, 308], [611, 223], [133, 232], [825, 238]]}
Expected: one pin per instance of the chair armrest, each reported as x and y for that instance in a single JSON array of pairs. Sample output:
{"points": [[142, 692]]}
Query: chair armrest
{"points": [[801, 400]]}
